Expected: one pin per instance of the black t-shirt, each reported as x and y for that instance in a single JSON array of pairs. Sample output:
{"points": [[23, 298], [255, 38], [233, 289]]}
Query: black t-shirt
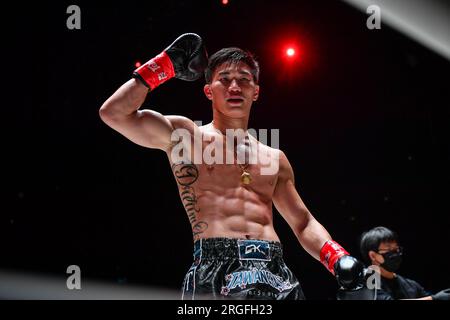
{"points": [[391, 289], [400, 288]]}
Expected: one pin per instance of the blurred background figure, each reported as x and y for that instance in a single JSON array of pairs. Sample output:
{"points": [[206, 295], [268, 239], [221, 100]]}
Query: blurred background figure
{"points": [[380, 249]]}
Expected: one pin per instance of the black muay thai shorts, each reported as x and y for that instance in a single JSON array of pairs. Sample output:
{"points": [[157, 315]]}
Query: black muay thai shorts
{"points": [[226, 268]]}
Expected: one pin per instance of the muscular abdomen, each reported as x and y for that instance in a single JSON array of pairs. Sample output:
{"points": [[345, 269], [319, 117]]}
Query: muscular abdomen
{"points": [[218, 205]]}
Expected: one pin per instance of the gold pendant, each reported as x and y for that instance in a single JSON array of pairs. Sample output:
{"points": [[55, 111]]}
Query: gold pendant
{"points": [[246, 178]]}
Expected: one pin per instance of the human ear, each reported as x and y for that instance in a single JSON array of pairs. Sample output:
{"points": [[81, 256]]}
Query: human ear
{"points": [[256, 94], [207, 91], [373, 257]]}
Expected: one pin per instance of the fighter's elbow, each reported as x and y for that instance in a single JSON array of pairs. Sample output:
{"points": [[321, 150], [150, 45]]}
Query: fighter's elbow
{"points": [[108, 114], [104, 113]]}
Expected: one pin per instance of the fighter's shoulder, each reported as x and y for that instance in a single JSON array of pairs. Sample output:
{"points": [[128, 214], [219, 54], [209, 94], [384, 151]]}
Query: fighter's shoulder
{"points": [[285, 165], [275, 153], [278, 155], [181, 122], [285, 171]]}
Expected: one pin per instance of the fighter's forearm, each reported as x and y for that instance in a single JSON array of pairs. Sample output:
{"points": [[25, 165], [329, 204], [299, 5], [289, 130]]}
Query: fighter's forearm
{"points": [[125, 101], [312, 237]]}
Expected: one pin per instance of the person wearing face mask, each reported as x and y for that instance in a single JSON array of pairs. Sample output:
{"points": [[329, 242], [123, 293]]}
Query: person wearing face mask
{"points": [[380, 248]]}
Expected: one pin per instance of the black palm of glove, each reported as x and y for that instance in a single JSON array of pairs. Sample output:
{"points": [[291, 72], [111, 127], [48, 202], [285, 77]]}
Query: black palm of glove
{"points": [[442, 295], [349, 273], [188, 56]]}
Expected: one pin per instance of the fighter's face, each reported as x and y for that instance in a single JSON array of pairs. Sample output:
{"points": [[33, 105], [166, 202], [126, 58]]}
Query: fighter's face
{"points": [[232, 90]]}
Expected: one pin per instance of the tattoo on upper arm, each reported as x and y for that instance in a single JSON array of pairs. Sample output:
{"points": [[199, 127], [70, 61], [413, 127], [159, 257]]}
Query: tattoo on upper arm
{"points": [[186, 175]]}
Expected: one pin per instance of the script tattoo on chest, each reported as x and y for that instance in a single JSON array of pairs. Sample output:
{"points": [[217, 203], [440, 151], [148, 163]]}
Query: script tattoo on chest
{"points": [[186, 175]]}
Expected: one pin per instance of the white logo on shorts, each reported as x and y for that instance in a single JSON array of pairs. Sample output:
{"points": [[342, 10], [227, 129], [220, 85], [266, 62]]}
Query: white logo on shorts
{"points": [[253, 248]]}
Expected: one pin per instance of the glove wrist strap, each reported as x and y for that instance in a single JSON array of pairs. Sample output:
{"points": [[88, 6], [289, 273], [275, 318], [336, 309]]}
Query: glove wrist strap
{"points": [[156, 71], [330, 253]]}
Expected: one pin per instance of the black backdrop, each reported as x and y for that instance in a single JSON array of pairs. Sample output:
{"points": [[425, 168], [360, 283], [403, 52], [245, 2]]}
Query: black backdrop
{"points": [[363, 118]]}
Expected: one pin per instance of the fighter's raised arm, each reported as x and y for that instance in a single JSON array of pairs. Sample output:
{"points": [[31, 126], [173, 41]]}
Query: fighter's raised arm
{"points": [[185, 59]]}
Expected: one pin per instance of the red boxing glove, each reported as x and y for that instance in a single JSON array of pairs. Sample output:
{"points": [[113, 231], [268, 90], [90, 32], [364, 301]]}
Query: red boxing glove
{"points": [[156, 71], [330, 253], [185, 59]]}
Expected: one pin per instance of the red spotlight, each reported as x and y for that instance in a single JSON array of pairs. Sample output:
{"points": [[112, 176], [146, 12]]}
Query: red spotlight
{"points": [[137, 64], [290, 52], [224, 2]]}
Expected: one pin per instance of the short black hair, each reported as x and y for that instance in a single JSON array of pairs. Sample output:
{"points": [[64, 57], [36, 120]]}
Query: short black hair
{"points": [[232, 55], [370, 240]]}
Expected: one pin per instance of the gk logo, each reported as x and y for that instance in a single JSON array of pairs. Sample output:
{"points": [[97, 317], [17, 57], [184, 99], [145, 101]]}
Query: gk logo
{"points": [[252, 248]]}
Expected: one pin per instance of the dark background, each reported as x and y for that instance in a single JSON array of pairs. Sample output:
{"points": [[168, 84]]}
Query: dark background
{"points": [[363, 117]]}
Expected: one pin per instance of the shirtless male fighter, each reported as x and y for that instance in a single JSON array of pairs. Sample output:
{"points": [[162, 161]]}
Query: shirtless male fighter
{"points": [[237, 253]]}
